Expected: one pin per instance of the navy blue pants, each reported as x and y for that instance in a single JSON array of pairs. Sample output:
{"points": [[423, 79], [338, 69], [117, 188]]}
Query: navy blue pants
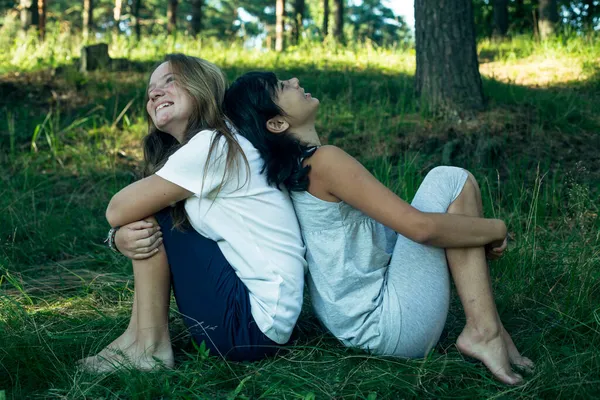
{"points": [[212, 299]]}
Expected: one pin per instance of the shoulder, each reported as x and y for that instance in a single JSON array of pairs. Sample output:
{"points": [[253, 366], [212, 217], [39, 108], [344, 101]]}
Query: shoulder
{"points": [[327, 159], [203, 137], [325, 154]]}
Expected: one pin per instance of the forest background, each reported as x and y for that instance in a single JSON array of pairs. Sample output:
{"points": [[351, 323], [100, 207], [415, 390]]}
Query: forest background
{"points": [[509, 89]]}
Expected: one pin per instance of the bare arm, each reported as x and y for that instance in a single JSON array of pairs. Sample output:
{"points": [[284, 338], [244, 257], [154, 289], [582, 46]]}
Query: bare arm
{"points": [[344, 178], [142, 199]]}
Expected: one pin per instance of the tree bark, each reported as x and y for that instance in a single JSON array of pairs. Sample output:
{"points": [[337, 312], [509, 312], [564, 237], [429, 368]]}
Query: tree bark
{"points": [[41, 5], [447, 77], [500, 18], [279, 24], [172, 17], [325, 18], [136, 18], [29, 13], [298, 19], [338, 29], [196, 23], [547, 18], [88, 17]]}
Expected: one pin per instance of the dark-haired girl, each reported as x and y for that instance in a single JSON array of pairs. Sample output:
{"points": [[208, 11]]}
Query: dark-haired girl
{"points": [[238, 266], [378, 266]]}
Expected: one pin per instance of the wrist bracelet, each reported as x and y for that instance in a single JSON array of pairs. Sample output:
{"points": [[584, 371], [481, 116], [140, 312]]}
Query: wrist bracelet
{"points": [[110, 239]]}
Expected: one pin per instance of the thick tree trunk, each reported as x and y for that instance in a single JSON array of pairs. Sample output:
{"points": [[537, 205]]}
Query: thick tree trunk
{"points": [[279, 24], [547, 18], [88, 17], [172, 16], [500, 18], [298, 19], [41, 4], [136, 18], [196, 23], [447, 77], [325, 18], [29, 13], [338, 29], [117, 11]]}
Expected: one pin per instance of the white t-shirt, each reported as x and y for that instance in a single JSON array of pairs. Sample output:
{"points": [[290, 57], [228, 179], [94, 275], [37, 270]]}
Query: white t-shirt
{"points": [[255, 227]]}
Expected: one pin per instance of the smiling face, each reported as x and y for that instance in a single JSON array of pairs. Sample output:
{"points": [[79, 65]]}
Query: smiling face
{"points": [[169, 106]]}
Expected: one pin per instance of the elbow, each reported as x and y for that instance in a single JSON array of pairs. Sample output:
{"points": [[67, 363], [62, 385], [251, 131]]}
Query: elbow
{"points": [[424, 232], [112, 214]]}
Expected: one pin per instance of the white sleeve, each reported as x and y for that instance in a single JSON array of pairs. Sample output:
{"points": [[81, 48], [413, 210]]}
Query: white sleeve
{"points": [[186, 167]]}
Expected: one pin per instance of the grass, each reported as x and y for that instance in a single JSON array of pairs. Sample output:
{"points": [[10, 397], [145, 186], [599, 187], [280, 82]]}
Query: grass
{"points": [[69, 141]]}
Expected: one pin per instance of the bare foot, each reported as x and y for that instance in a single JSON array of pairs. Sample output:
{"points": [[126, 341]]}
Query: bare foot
{"points": [[137, 356], [491, 350], [513, 354], [111, 351]]}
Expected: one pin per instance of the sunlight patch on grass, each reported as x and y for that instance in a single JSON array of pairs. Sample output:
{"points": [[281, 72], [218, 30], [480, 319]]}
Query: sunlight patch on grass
{"points": [[536, 71]]}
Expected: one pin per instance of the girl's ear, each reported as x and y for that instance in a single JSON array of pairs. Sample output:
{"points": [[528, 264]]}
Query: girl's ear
{"points": [[277, 125]]}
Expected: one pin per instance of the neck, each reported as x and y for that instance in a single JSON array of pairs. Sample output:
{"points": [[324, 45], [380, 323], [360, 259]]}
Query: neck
{"points": [[308, 135], [179, 135]]}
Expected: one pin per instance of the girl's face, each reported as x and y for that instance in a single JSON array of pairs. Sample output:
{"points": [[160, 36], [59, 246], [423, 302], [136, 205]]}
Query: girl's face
{"points": [[300, 107], [169, 106]]}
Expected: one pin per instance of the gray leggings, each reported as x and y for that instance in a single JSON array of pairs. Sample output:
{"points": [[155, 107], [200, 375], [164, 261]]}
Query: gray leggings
{"points": [[417, 293]]}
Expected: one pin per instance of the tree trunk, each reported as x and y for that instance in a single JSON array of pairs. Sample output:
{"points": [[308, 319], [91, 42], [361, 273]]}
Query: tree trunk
{"points": [[447, 77], [500, 18], [520, 15], [298, 19], [136, 18], [279, 24], [29, 13], [88, 18], [547, 18], [117, 11], [589, 16], [325, 18], [41, 4], [196, 22], [172, 17], [338, 29]]}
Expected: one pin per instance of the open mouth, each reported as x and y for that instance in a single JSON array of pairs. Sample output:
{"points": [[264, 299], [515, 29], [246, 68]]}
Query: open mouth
{"points": [[163, 105]]}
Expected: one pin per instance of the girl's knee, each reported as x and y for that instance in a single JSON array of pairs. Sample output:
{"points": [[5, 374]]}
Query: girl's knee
{"points": [[472, 179]]}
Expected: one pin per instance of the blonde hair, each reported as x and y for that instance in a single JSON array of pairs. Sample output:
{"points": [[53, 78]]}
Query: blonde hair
{"points": [[206, 85]]}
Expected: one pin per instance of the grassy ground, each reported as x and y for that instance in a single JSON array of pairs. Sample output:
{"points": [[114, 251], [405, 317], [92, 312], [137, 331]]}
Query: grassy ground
{"points": [[69, 141]]}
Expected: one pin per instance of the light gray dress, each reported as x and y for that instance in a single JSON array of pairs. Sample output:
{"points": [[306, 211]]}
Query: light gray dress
{"points": [[371, 287]]}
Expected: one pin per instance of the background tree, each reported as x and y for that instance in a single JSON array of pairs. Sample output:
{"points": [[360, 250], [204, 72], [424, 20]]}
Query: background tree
{"points": [[325, 24], [171, 16], [117, 11], [500, 18], [29, 13], [42, 8], [135, 18], [279, 24], [196, 22], [88, 16], [338, 27], [299, 6], [374, 21], [547, 18], [447, 76]]}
